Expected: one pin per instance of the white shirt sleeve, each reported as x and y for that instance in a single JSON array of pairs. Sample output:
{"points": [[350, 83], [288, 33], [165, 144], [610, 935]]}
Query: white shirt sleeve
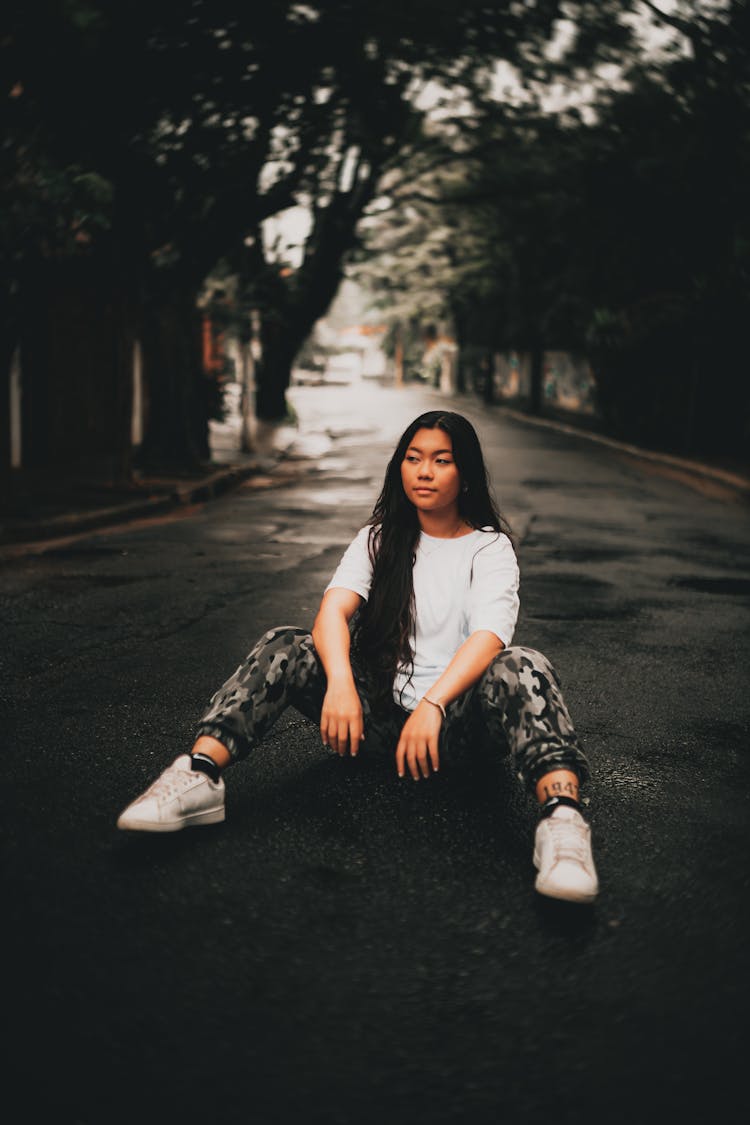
{"points": [[493, 592], [354, 572]]}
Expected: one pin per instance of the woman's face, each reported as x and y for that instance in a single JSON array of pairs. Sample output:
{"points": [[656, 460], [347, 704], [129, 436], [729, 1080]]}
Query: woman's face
{"points": [[429, 474]]}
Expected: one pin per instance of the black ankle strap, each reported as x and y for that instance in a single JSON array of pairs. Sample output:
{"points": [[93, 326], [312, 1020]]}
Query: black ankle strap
{"points": [[554, 802]]}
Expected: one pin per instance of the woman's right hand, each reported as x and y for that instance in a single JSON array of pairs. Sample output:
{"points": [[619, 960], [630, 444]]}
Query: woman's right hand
{"points": [[341, 723]]}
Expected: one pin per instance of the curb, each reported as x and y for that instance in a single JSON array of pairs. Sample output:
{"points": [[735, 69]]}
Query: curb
{"points": [[51, 533], [47, 533], [696, 468]]}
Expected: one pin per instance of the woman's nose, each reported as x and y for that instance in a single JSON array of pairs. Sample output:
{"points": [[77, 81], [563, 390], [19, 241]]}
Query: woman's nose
{"points": [[425, 471]]}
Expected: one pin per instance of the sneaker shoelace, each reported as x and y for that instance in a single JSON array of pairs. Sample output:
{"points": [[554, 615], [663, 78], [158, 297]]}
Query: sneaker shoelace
{"points": [[569, 841], [171, 784]]}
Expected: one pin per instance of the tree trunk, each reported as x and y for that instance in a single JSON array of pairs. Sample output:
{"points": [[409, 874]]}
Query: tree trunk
{"points": [[459, 331], [536, 396], [247, 397], [123, 331], [176, 436], [488, 377], [76, 356], [292, 311], [398, 356], [283, 331], [8, 343], [273, 375]]}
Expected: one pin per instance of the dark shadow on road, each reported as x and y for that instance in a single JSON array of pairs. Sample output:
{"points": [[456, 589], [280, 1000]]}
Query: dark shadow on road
{"points": [[573, 924], [133, 851]]}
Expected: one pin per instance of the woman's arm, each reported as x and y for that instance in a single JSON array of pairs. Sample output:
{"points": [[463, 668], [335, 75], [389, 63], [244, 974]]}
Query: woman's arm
{"points": [[341, 725], [417, 747], [471, 661]]}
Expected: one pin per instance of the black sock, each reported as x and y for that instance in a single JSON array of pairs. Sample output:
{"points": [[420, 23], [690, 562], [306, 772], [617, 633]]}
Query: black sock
{"points": [[552, 803], [204, 764]]}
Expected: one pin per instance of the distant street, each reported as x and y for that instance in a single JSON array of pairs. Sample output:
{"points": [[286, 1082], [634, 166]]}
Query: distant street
{"points": [[351, 949]]}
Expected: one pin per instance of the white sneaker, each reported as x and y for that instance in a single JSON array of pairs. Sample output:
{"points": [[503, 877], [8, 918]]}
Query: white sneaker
{"points": [[179, 798], [562, 855]]}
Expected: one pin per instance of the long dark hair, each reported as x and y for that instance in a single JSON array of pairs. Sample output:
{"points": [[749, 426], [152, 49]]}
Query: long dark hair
{"points": [[384, 625]]}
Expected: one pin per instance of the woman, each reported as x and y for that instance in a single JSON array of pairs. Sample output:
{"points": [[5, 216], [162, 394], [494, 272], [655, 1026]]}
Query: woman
{"points": [[409, 650]]}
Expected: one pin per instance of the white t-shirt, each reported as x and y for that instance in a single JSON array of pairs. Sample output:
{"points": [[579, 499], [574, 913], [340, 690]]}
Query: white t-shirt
{"points": [[460, 585]]}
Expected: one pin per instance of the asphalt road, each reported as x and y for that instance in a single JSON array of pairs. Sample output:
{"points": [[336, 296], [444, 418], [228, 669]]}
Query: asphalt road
{"points": [[348, 948]]}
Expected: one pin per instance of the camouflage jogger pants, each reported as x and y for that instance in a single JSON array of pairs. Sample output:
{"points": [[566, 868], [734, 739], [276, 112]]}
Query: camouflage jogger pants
{"points": [[517, 703]]}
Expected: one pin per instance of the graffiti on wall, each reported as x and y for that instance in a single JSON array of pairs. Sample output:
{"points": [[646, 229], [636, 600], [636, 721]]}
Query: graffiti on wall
{"points": [[568, 380]]}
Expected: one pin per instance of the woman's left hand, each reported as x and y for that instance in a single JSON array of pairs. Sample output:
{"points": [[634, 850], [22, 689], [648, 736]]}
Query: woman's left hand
{"points": [[417, 748]]}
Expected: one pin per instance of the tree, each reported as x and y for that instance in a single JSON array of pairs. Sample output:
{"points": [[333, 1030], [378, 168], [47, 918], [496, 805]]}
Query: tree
{"points": [[673, 165], [182, 155], [235, 115], [377, 58], [618, 227]]}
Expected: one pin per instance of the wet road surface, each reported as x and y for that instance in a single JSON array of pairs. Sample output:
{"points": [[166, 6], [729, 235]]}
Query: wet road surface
{"points": [[351, 948]]}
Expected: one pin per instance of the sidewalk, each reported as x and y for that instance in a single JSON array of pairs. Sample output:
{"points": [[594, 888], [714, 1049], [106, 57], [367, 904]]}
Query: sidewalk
{"points": [[49, 511], [52, 513], [731, 478], [67, 506]]}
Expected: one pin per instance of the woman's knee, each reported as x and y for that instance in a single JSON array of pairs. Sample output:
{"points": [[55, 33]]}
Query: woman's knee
{"points": [[282, 638], [283, 659], [517, 660], [285, 635], [277, 651]]}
